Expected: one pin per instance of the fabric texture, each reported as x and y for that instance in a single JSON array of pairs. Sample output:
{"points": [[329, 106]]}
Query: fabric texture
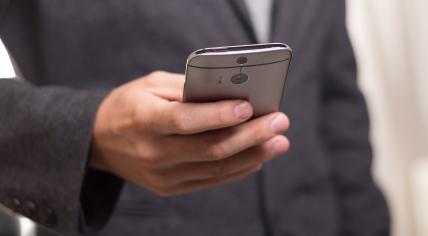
{"points": [[71, 52]]}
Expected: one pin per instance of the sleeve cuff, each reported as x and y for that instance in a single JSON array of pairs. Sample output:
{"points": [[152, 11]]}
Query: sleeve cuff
{"points": [[100, 193]]}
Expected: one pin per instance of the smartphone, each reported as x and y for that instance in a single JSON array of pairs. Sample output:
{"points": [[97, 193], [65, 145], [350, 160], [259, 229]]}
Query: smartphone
{"points": [[256, 73]]}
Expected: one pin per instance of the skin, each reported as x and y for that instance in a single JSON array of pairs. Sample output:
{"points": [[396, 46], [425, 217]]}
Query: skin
{"points": [[144, 134]]}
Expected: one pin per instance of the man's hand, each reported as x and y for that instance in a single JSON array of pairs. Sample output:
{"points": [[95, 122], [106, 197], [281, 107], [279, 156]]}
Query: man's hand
{"points": [[146, 135]]}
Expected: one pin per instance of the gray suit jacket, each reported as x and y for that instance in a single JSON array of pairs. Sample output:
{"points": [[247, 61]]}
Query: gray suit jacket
{"points": [[71, 53]]}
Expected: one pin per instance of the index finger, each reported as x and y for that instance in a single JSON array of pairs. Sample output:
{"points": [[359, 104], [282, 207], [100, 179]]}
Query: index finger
{"points": [[166, 85]]}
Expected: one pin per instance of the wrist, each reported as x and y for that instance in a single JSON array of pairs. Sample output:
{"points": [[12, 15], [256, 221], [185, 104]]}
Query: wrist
{"points": [[97, 157]]}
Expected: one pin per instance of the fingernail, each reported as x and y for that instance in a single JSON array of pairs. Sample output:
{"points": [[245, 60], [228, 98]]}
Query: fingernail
{"points": [[243, 110], [279, 124], [278, 148]]}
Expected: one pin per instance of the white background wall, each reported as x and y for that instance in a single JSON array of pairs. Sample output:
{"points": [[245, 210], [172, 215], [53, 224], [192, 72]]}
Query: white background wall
{"points": [[6, 69], [391, 43], [390, 38]]}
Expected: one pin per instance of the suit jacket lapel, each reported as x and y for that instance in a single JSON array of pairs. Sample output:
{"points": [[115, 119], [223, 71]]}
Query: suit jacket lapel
{"points": [[290, 20], [274, 18], [244, 18]]}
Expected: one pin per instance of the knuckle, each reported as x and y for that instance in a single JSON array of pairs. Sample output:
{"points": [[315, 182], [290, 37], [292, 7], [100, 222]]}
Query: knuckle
{"points": [[158, 180], [148, 157], [150, 79], [218, 169], [140, 151], [164, 192], [214, 152], [178, 121], [157, 74]]}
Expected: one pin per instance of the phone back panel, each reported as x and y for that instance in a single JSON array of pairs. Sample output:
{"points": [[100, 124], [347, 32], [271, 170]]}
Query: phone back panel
{"points": [[260, 80]]}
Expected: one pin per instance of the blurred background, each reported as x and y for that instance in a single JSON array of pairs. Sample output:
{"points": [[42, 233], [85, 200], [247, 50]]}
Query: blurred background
{"points": [[390, 39]]}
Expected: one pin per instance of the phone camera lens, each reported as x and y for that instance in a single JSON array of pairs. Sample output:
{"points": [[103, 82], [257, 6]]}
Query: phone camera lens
{"points": [[239, 78], [241, 60]]}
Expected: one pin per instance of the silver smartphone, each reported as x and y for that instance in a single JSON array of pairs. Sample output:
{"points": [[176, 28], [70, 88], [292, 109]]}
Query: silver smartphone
{"points": [[256, 73]]}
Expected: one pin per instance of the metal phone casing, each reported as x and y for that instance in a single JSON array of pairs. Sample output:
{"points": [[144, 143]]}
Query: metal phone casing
{"points": [[211, 75]]}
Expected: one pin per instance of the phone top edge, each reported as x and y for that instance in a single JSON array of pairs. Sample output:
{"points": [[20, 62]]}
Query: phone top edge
{"points": [[238, 48], [241, 50]]}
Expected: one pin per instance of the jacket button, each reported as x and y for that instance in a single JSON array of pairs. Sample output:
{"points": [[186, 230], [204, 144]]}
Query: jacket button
{"points": [[30, 205], [47, 216], [16, 202], [28, 209]]}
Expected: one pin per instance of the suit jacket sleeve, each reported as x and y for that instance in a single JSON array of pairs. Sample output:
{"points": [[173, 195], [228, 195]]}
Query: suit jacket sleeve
{"points": [[345, 130], [45, 136]]}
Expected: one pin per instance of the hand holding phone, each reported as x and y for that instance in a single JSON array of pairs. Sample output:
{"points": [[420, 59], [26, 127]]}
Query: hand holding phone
{"points": [[144, 134]]}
